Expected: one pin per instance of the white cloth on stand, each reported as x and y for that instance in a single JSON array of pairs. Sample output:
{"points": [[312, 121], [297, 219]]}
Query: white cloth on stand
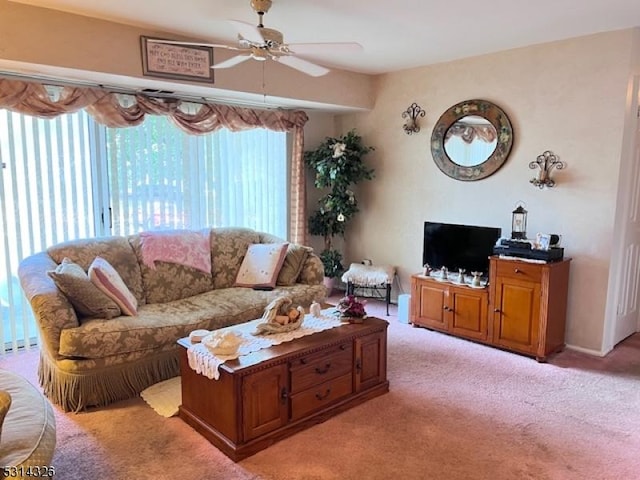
{"points": [[369, 275]]}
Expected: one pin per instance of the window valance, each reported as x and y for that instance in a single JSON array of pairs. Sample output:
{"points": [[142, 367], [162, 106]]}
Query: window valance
{"points": [[33, 98]]}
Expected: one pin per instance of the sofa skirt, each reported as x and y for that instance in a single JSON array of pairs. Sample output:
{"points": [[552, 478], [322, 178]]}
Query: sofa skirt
{"points": [[75, 391]]}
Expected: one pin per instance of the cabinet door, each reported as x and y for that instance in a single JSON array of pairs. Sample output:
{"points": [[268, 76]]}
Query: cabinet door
{"points": [[265, 401], [517, 314], [430, 308], [370, 360], [468, 310]]}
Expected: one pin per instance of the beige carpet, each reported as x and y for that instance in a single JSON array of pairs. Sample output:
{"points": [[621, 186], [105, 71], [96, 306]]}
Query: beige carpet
{"points": [[456, 411]]}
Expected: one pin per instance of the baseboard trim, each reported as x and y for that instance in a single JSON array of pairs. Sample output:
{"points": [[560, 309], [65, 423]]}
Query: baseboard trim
{"points": [[588, 351]]}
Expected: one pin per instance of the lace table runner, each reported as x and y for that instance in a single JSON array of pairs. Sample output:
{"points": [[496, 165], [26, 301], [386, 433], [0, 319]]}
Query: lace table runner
{"points": [[204, 362]]}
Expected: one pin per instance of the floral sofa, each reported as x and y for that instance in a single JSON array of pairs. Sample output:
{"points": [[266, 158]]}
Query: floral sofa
{"points": [[91, 361]]}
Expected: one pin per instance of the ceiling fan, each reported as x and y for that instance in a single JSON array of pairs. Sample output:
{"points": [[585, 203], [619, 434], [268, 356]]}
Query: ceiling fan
{"points": [[262, 43]]}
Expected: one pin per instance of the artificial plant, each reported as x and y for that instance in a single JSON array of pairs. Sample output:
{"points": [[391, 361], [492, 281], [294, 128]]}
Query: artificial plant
{"points": [[338, 165]]}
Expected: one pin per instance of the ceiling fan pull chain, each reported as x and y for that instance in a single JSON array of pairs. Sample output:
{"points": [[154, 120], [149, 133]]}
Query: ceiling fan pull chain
{"points": [[264, 91]]}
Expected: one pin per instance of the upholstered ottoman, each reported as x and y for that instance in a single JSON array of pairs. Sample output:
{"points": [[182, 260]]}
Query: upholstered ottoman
{"points": [[28, 433], [370, 276]]}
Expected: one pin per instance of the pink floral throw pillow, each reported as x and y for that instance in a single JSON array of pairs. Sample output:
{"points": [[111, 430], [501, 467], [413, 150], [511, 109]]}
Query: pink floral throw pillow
{"points": [[105, 277], [261, 265], [184, 247]]}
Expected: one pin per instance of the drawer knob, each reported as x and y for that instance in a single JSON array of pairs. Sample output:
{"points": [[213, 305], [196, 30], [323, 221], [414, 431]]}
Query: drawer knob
{"points": [[343, 347], [322, 371], [284, 395], [321, 396], [517, 270], [497, 310]]}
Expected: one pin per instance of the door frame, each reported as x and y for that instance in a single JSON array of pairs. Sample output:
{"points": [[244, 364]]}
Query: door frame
{"points": [[625, 197]]}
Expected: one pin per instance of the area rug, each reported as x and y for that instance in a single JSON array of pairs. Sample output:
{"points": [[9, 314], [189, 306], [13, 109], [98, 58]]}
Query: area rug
{"points": [[164, 397]]}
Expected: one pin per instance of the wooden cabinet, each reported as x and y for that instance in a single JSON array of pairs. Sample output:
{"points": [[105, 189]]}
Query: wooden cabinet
{"points": [[528, 305], [273, 393], [265, 405], [468, 312], [370, 361], [456, 309], [523, 309], [429, 303]]}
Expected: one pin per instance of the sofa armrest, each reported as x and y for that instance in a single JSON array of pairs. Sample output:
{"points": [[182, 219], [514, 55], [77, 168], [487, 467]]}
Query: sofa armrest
{"points": [[52, 310], [312, 271]]}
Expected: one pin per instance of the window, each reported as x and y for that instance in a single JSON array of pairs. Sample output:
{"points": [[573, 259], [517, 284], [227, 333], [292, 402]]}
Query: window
{"points": [[69, 178]]}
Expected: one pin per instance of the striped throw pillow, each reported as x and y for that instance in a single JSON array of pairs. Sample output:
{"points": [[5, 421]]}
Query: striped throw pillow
{"points": [[107, 279]]}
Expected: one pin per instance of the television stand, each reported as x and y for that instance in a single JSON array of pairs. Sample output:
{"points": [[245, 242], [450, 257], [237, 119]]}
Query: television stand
{"points": [[523, 309]]}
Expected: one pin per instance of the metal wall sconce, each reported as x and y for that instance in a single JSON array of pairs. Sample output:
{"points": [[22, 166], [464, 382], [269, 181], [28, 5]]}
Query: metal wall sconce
{"points": [[546, 162], [411, 114]]}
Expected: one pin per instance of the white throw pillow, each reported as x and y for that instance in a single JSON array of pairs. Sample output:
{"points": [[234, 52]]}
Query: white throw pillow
{"points": [[107, 279], [261, 265]]}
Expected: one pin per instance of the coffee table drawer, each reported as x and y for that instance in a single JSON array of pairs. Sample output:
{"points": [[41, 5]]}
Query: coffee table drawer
{"points": [[319, 367], [317, 397]]}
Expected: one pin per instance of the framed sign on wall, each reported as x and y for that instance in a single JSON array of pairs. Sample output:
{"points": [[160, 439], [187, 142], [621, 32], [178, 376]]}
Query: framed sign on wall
{"points": [[161, 58]]}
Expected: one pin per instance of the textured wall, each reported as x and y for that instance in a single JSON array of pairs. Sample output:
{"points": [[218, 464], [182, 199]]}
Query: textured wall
{"points": [[568, 97]]}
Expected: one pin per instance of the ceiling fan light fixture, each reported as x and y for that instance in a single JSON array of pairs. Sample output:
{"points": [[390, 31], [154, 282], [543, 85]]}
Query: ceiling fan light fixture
{"points": [[261, 6]]}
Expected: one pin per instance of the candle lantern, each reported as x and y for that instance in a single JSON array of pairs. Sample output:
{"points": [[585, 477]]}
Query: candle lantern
{"points": [[519, 223]]}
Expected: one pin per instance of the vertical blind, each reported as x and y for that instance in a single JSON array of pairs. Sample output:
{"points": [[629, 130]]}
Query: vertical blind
{"points": [[45, 198], [69, 177]]}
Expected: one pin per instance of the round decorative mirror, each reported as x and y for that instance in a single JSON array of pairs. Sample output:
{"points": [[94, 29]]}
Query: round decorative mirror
{"points": [[471, 140]]}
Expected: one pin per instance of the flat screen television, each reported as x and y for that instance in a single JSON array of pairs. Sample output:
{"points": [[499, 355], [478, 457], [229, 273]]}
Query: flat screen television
{"points": [[459, 246]]}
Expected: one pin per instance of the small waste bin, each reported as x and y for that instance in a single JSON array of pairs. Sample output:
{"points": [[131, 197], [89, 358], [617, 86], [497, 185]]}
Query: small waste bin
{"points": [[403, 307]]}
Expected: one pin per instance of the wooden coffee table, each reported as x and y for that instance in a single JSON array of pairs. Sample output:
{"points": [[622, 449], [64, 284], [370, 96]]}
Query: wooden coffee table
{"points": [[272, 393]]}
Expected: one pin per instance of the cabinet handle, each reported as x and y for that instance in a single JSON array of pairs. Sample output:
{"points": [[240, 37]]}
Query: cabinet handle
{"points": [[497, 310], [343, 347], [517, 270], [358, 365], [320, 396], [284, 395], [322, 371], [445, 308]]}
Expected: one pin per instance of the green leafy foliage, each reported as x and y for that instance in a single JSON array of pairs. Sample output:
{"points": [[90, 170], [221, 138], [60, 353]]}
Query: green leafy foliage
{"points": [[338, 164], [332, 261]]}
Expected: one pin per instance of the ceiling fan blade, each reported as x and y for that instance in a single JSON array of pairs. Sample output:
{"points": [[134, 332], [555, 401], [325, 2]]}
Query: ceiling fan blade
{"points": [[233, 61], [248, 31], [303, 65], [316, 48], [192, 44]]}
